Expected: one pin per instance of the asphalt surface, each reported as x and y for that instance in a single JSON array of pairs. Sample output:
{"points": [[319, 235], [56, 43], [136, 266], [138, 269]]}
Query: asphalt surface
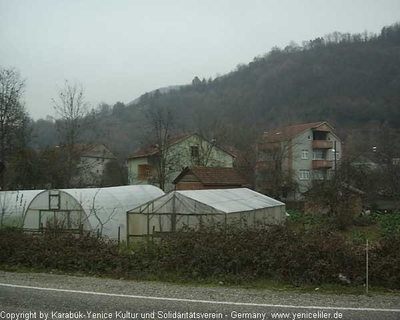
{"points": [[47, 296]]}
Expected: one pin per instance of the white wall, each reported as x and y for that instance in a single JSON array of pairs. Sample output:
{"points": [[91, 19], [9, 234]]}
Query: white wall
{"points": [[179, 156]]}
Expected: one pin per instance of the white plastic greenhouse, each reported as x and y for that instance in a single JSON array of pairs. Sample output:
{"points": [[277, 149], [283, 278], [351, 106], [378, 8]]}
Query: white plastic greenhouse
{"points": [[13, 205], [96, 209], [195, 207]]}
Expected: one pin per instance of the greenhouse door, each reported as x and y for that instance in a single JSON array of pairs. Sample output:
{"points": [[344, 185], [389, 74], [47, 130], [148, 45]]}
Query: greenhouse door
{"points": [[57, 219]]}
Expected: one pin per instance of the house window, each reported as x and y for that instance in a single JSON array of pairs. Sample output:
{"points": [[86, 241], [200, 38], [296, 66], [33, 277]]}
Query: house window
{"points": [[304, 154], [396, 161], [318, 175], [194, 151], [309, 138], [336, 155], [144, 171], [304, 174], [319, 155]]}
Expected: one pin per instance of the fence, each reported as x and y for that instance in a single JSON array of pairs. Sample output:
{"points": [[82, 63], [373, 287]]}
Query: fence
{"points": [[54, 230]]}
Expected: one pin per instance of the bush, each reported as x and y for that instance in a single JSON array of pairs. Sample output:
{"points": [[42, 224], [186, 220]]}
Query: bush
{"points": [[390, 223], [63, 252], [252, 254], [305, 219], [232, 254], [385, 262], [364, 221]]}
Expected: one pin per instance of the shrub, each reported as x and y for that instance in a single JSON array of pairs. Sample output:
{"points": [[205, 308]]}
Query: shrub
{"points": [[390, 223], [57, 251], [225, 253]]}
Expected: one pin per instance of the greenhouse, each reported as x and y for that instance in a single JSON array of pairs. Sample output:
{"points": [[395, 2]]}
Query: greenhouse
{"points": [[102, 210], [13, 205], [193, 208]]}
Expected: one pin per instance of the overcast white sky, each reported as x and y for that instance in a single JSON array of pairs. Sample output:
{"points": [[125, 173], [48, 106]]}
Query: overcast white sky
{"points": [[121, 49]]}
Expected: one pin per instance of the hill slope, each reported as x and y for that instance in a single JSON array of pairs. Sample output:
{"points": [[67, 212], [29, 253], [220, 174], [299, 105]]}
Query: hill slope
{"points": [[353, 81], [350, 80]]}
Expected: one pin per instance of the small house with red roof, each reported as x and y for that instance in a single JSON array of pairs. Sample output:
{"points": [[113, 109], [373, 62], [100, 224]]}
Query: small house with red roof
{"points": [[290, 158], [159, 164], [198, 178]]}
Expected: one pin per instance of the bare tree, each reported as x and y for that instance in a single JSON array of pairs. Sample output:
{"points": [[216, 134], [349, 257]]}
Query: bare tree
{"points": [[273, 172], [115, 174], [205, 158], [166, 156], [95, 209], [338, 199], [74, 119], [387, 154], [161, 127], [13, 118], [214, 133]]}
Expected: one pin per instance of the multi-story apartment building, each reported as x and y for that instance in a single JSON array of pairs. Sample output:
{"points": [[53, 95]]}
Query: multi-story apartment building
{"points": [[290, 159]]}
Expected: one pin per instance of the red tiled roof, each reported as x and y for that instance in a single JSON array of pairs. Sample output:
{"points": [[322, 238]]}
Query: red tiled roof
{"points": [[215, 176], [152, 150], [291, 131], [178, 138], [144, 152], [232, 150]]}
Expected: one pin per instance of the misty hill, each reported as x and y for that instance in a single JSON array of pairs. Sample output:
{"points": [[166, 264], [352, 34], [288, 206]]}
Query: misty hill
{"points": [[353, 81], [346, 79], [151, 93]]}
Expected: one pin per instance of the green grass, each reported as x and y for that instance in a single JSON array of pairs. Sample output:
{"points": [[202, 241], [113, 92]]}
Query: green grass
{"points": [[372, 233], [371, 227]]}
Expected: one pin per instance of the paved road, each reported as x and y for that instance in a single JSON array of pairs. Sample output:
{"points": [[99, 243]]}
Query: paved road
{"points": [[34, 296]]}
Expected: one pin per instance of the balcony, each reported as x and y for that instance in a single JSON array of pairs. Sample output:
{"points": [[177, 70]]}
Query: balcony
{"points": [[322, 144], [320, 164]]}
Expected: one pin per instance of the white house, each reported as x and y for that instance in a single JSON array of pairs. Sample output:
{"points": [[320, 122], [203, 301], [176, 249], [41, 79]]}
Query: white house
{"points": [[93, 160], [161, 165]]}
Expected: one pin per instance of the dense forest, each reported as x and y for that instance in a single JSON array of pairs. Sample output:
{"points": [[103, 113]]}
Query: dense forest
{"points": [[350, 80]]}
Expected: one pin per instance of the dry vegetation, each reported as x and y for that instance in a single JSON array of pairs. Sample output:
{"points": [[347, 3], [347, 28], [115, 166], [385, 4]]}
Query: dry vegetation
{"points": [[298, 253]]}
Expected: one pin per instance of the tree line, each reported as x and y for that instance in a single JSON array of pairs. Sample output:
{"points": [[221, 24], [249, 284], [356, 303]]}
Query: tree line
{"points": [[350, 80], [58, 164]]}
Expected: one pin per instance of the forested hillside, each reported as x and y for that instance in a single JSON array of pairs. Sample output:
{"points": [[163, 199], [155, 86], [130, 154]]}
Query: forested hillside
{"points": [[353, 81]]}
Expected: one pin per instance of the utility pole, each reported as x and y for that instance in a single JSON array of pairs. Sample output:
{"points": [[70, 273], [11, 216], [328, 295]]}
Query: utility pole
{"points": [[366, 269], [335, 152]]}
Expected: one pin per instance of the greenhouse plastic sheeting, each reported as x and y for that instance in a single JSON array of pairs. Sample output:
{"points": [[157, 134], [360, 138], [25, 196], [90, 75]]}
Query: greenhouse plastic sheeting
{"points": [[195, 207], [13, 205], [232, 200], [95, 208], [111, 205]]}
